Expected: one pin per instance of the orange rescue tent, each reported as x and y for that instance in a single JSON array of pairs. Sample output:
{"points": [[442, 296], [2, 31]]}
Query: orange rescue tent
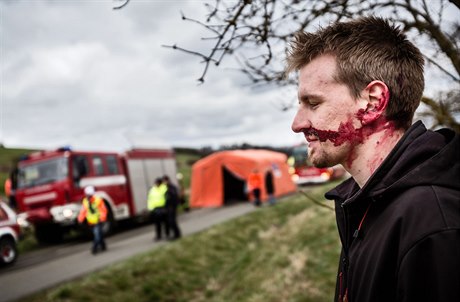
{"points": [[220, 178]]}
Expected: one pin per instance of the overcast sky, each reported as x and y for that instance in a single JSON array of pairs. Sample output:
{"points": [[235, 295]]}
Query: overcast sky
{"points": [[79, 73], [76, 72]]}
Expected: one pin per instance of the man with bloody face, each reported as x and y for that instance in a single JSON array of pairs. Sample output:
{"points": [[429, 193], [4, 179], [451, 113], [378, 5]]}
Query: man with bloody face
{"points": [[398, 216]]}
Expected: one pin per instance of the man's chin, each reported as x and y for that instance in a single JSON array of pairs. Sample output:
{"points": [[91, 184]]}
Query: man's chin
{"points": [[320, 162]]}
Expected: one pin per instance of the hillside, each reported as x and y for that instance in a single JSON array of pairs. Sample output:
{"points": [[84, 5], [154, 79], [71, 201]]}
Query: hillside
{"points": [[287, 252]]}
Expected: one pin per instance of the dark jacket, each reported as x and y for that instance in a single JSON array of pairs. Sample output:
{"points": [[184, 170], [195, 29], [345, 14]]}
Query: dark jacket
{"points": [[401, 232], [172, 197], [269, 186]]}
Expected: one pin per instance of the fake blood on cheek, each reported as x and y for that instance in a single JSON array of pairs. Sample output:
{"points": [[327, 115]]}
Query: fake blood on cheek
{"points": [[345, 133], [372, 123], [348, 133]]}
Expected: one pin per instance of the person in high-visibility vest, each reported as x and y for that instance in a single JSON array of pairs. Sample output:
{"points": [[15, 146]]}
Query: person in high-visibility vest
{"points": [[94, 211], [156, 204]]}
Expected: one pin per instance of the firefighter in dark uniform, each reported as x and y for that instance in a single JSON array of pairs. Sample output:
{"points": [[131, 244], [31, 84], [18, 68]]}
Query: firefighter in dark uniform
{"points": [[172, 202]]}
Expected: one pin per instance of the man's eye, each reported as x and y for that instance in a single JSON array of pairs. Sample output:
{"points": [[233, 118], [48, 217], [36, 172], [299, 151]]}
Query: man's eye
{"points": [[308, 103]]}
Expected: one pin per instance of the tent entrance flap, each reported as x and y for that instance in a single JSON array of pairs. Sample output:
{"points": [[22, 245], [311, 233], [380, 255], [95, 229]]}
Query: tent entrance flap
{"points": [[233, 187]]}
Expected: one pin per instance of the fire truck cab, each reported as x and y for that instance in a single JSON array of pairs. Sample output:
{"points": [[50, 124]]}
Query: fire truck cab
{"points": [[50, 186]]}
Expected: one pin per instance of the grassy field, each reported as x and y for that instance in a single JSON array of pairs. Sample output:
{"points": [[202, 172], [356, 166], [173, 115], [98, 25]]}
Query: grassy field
{"points": [[288, 252]]}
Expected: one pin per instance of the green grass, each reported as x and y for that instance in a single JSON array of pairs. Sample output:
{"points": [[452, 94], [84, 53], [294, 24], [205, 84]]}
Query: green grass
{"points": [[288, 252]]}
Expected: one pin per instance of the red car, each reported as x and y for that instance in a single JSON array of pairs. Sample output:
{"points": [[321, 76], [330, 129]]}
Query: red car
{"points": [[9, 235]]}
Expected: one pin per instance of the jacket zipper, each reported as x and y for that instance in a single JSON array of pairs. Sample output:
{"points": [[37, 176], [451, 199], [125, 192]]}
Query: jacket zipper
{"points": [[343, 276]]}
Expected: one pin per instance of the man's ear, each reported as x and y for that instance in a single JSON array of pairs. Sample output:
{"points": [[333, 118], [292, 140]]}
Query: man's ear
{"points": [[377, 96]]}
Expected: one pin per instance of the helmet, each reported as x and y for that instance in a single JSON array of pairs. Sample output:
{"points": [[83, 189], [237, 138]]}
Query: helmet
{"points": [[89, 190]]}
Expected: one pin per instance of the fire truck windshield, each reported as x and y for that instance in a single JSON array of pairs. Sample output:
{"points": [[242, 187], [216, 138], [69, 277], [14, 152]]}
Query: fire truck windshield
{"points": [[42, 172]]}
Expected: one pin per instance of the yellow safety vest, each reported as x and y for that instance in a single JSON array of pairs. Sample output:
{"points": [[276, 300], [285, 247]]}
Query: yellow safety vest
{"points": [[92, 218], [157, 197]]}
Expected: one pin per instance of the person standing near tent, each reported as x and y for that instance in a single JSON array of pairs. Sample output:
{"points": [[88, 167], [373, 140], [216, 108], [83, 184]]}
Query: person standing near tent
{"points": [[255, 186], [172, 202], [270, 187], [94, 211], [156, 204]]}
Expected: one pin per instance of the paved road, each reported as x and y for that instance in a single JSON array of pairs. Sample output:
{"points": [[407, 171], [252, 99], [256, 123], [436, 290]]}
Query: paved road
{"points": [[50, 266]]}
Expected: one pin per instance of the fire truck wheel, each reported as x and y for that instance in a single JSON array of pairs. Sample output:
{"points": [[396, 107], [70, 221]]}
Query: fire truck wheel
{"points": [[8, 251], [46, 234]]}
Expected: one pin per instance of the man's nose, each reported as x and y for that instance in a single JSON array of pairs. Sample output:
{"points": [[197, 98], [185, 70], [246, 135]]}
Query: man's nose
{"points": [[300, 122]]}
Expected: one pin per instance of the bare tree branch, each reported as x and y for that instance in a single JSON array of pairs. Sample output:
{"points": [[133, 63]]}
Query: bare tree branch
{"points": [[263, 29], [261, 25], [122, 5], [231, 23], [455, 78], [205, 58]]}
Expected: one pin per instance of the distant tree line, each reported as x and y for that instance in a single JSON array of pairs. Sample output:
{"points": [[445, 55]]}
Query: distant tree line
{"points": [[207, 150]]}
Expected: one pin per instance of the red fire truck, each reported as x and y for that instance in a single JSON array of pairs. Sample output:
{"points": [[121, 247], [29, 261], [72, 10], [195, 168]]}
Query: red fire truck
{"points": [[50, 185]]}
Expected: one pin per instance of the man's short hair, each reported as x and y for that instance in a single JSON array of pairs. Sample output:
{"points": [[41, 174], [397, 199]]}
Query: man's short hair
{"points": [[368, 49]]}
